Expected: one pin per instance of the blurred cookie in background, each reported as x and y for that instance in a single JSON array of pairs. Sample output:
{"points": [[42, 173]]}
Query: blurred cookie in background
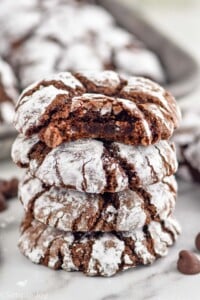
{"points": [[187, 140], [18, 19], [140, 62], [8, 92], [44, 37], [8, 190], [35, 58]]}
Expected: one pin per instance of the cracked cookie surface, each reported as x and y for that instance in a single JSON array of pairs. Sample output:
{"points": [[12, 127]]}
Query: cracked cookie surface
{"points": [[96, 254], [66, 107], [77, 211], [94, 166]]}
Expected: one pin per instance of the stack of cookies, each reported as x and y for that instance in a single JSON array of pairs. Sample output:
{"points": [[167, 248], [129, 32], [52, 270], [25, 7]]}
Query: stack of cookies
{"points": [[99, 191]]}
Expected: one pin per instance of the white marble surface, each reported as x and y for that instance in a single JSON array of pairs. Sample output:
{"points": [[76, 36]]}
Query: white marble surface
{"points": [[22, 280]]}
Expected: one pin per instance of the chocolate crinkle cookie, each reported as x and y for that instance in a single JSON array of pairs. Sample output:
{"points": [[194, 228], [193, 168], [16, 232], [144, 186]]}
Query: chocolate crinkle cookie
{"points": [[8, 92], [99, 192], [70, 210], [187, 140], [95, 166], [103, 105], [97, 253]]}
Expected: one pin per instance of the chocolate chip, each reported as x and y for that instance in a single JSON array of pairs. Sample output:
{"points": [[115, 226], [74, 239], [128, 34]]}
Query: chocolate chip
{"points": [[188, 263], [3, 204], [197, 241], [8, 188]]}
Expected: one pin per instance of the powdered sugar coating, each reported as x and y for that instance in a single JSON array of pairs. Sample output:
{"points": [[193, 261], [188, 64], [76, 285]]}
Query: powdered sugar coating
{"points": [[108, 252], [116, 38], [93, 167], [21, 149], [35, 59], [81, 56], [17, 20], [80, 20], [62, 25], [164, 192], [172, 225], [142, 61], [94, 18], [142, 101], [35, 109], [75, 211], [148, 162], [106, 79], [66, 79], [159, 94], [107, 258], [79, 165], [161, 238], [28, 191]]}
